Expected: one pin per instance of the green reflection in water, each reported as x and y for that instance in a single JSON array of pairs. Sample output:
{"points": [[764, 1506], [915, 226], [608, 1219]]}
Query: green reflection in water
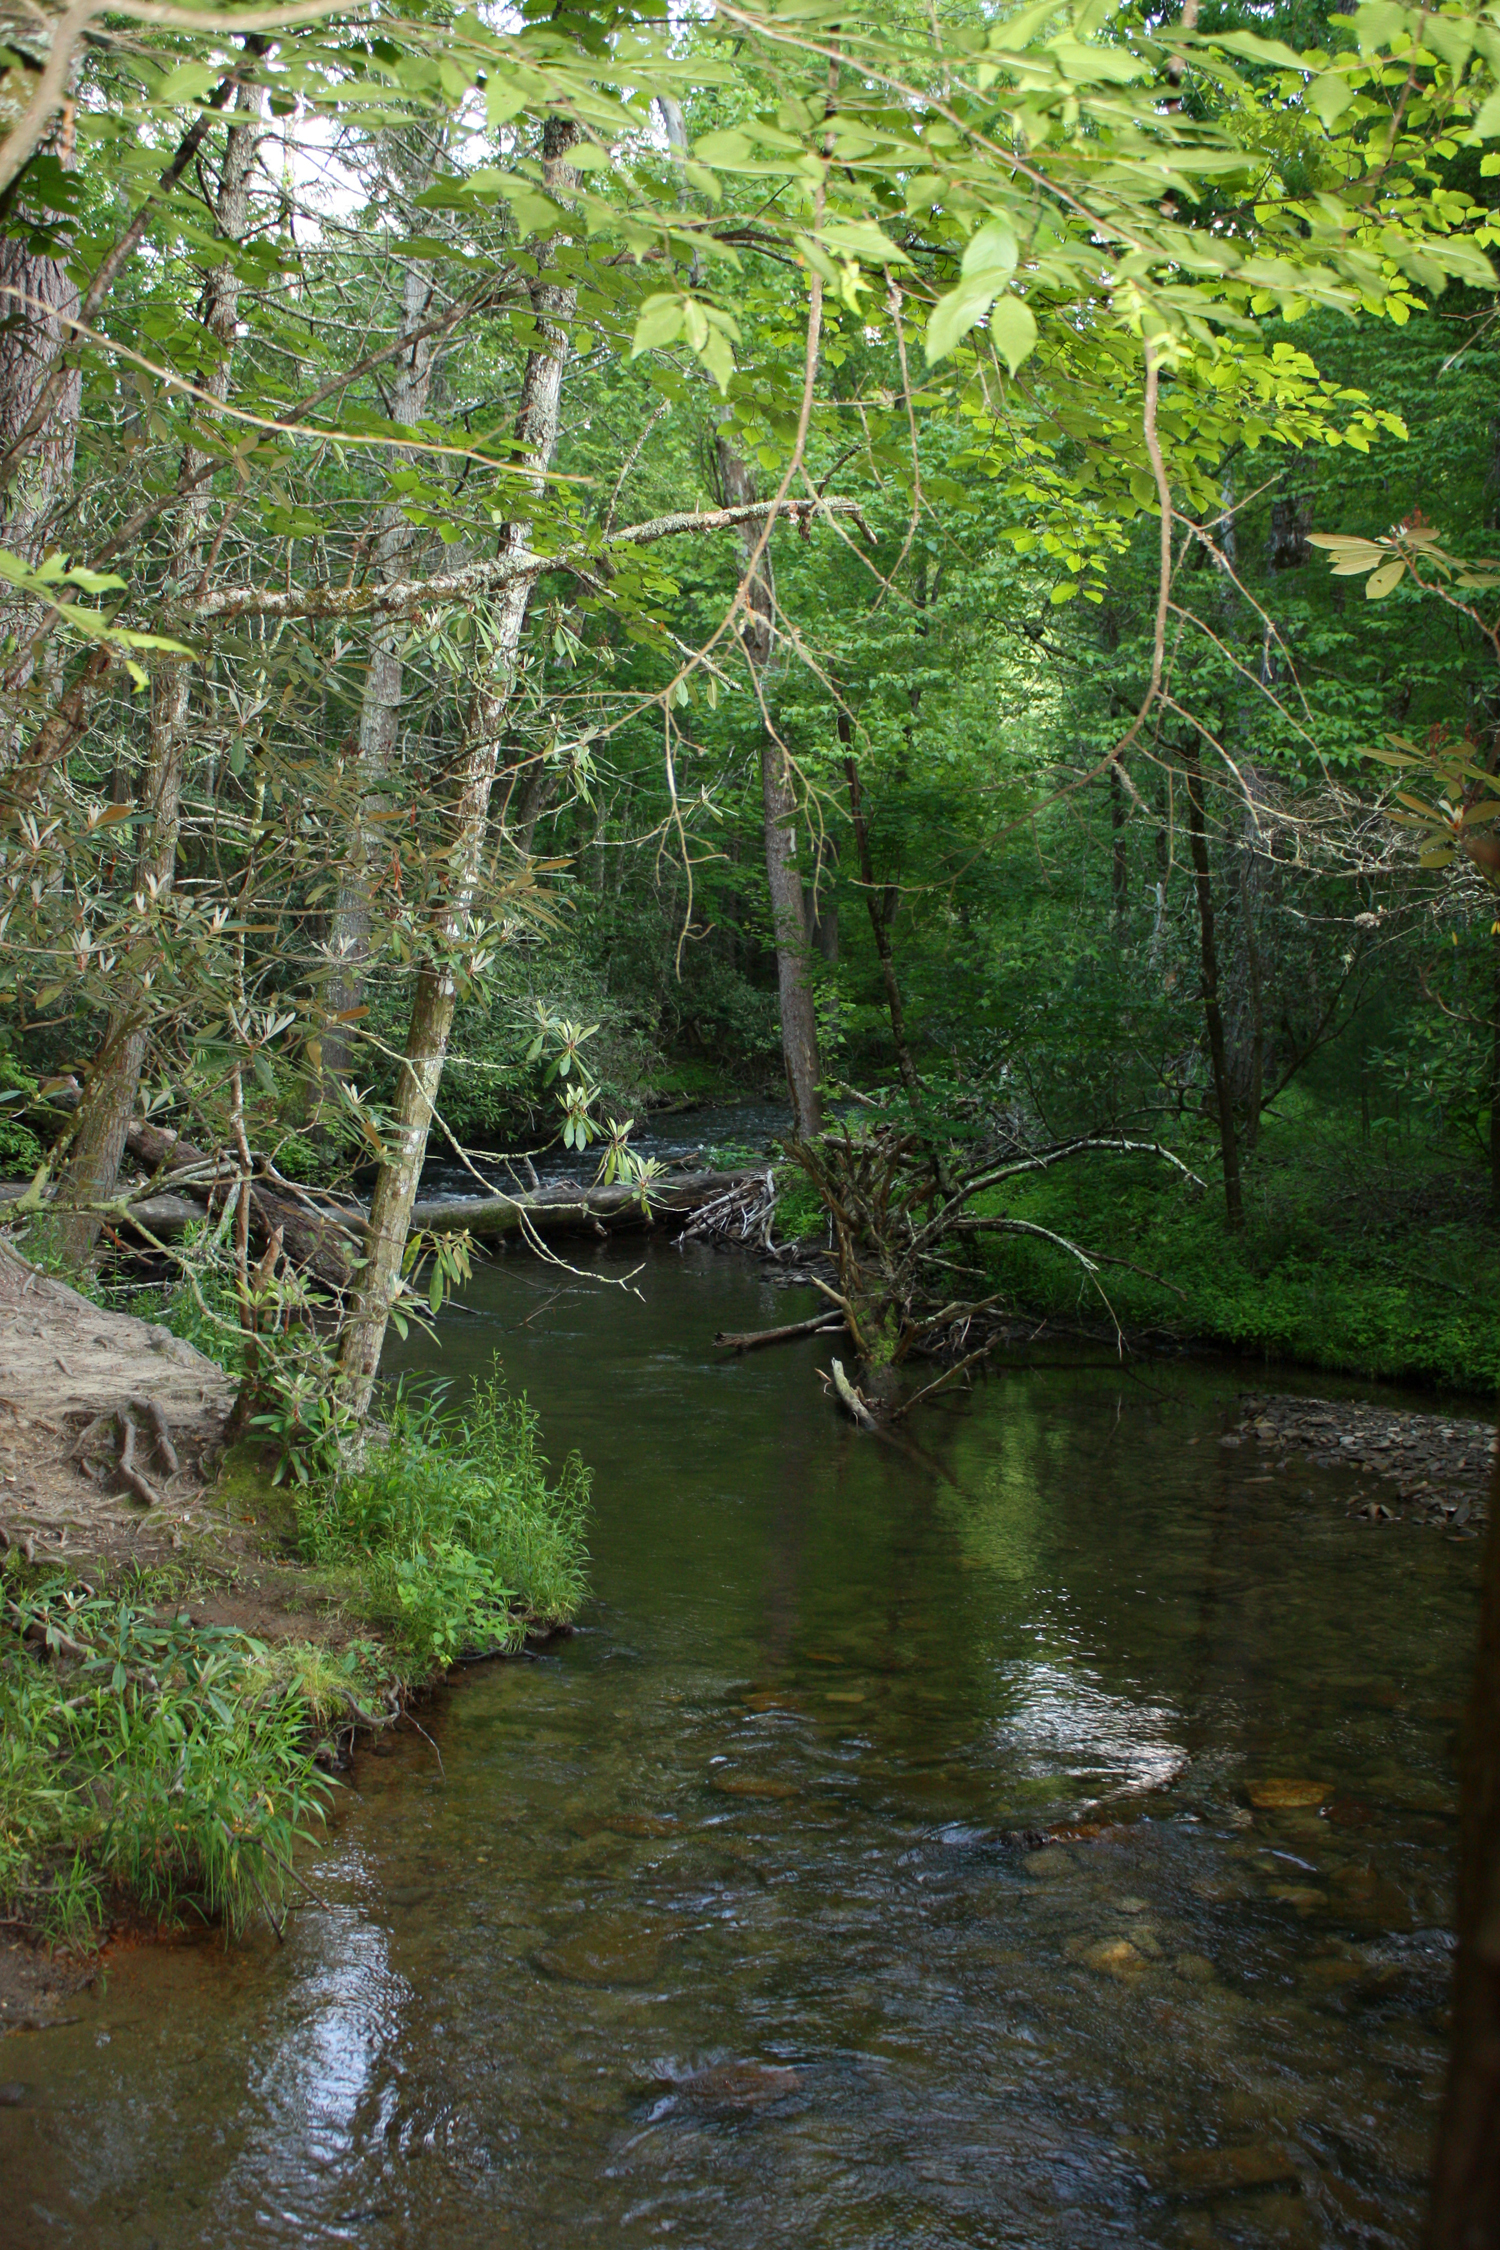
{"points": [[757, 1815]]}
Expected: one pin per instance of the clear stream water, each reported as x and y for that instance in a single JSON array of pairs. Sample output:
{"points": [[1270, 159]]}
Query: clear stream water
{"points": [[757, 1812]]}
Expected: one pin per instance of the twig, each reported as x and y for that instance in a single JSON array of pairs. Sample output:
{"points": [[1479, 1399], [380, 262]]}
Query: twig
{"points": [[427, 1738], [899, 1413]]}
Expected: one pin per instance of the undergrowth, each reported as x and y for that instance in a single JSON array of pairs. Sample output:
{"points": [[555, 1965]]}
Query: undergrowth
{"points": [[1355, 1256], [171, 1760], [453, 1524]]}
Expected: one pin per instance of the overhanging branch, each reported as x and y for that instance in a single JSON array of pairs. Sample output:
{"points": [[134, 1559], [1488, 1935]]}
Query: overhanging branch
{"points": [[408, 597]]}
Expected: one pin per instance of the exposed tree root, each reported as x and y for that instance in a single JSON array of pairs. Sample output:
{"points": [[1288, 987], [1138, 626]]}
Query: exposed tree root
{"points": [[124, 1434]]}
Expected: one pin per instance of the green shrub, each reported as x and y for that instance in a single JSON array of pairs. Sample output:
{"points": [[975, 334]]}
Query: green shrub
{"points": [[454, 1524]]}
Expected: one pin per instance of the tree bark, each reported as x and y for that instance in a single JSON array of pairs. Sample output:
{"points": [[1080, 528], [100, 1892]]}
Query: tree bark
{"points": [[799, 1021], [31, 338], [1465, 2208], [553, 302], [93, 1161], [878, 922], [1494, 1078], [1212, 1013], [380, 710]]}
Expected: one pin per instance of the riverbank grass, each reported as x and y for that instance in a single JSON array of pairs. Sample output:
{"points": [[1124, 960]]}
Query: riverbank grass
{"points": [[458, 1541], [153, 1761]]}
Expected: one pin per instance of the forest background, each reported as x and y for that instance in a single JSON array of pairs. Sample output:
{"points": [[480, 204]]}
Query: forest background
{"points": [[561, 556], [298, 758]]}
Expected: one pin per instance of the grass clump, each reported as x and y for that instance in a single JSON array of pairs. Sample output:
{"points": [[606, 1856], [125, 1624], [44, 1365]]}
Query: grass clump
{"points": [[457, 1534], [169, 1760]]}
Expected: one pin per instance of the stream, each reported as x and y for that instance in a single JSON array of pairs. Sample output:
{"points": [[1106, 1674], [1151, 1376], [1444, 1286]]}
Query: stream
{"points": [[716, 1928]]}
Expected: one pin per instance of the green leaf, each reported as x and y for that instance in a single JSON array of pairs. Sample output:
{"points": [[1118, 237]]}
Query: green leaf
{"points": [[992, 250], [659, 322], [1255, 49], [954, 315], [729, 149], [1329, 96], [1013, 326], [860, 238], [718, 357], [1383, 581]]}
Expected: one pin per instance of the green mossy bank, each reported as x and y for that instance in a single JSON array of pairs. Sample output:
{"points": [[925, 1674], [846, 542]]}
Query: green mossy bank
{"points": [[1361, 1256]]}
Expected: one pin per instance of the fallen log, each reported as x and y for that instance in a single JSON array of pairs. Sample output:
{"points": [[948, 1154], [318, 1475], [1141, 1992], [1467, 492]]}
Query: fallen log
{"points": [[746, 1340], [316, 1241], [319, 1245], [567, 1208], [564, 1208]]}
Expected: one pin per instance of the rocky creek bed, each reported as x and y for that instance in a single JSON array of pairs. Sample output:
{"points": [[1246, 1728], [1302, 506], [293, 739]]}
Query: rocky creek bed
{"points": [[1432, 1467]]}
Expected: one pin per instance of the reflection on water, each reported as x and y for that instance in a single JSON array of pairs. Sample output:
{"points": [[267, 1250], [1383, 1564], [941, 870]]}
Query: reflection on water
{"points": [[778, 1805]]}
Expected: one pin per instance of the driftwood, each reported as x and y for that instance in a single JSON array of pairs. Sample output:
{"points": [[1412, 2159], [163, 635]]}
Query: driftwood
{"points": [[850, 1398], [747, 1340]]}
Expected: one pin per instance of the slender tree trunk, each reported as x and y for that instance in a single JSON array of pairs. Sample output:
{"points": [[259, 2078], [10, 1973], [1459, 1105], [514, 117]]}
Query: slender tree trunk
{"points": [[1119, 858], [1256, 1098], [380, 709], [1212, 1013], [98, 1144], [31, 337], [553, 302], [1465, 2209], [878, 923], [799, 1021]]}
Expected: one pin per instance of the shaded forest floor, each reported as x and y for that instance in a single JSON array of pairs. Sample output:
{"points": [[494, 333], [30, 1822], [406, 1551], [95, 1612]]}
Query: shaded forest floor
{"points": [[1362, 1256]]}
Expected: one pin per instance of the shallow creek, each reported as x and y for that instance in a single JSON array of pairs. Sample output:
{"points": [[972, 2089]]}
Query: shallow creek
{"points": [[758, 1813]]}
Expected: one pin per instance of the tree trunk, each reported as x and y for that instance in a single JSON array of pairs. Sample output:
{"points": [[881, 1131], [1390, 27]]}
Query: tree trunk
{"points": [[380, 710], [31, 336], [94, 1156], [799, 1021], [1212, 1013], [553, 301], [1465, 2209], [878, 923], [1119, 858]]}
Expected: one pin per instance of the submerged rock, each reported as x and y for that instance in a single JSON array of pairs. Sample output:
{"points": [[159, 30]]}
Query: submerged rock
{"points": [[735, 2087], [753, 1785], [1219, 2171], [610, 1950], [1287, 1796]]}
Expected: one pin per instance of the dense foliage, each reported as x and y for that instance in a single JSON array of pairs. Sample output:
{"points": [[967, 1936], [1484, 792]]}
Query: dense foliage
{"points": [[794, 545]]}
